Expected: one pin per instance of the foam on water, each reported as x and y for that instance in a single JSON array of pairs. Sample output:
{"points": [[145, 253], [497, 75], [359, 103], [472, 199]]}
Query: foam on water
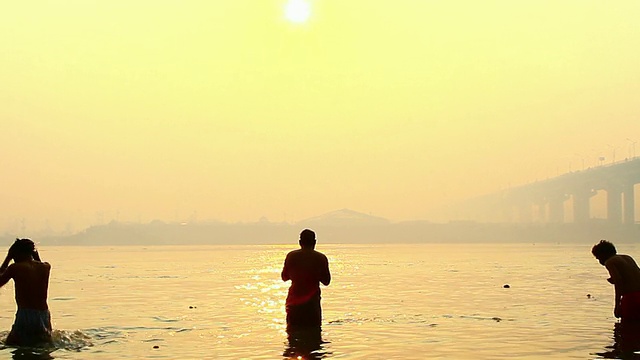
{"points": [[73, 341]]}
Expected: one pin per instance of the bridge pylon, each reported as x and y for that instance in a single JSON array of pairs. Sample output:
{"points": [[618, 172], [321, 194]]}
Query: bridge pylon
{"points": [[581, 206]]}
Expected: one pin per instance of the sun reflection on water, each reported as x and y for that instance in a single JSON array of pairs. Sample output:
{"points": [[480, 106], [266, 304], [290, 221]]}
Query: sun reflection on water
{"points": [[265, 294]]}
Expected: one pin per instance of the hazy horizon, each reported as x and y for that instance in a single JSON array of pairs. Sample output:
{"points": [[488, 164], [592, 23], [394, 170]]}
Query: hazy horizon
{"points": [[235, 111]]}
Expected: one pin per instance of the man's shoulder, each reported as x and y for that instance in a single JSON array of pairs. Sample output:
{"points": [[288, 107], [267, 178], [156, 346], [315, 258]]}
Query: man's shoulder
{"points": [[306, 253], [613, 259], [34, 264], [319, 254], [621, 257], [619, 260], [293, 253]]}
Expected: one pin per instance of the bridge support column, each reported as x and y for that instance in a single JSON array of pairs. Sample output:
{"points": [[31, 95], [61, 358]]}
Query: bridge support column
{"points": [[614, 205], [581, 207], [508, 213], [541, 211], [629, 205], [556, 208], [525, 213]]}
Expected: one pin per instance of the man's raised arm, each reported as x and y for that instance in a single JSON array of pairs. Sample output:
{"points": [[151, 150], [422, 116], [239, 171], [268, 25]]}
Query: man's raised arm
{"points": [[6, 275], [5, 264]]}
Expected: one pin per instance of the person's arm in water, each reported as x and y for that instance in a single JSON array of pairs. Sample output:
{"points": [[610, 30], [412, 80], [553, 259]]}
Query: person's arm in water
{"points": [[616, 279]]}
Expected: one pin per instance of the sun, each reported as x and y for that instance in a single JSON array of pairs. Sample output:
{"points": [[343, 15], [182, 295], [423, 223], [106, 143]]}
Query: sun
{"points": [[297, 11]]}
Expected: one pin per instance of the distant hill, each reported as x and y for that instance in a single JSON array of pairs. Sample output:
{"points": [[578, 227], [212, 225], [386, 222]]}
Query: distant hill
{"points": [[343, 217], [340, 226]]}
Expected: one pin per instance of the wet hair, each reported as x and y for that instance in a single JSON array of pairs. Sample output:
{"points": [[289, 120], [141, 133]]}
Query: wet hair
{"points": [[603, 250], [22, 247], [307, 238]]}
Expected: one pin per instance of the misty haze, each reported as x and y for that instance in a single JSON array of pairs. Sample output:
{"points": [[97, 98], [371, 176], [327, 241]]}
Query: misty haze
{"points": [[399, 179]]}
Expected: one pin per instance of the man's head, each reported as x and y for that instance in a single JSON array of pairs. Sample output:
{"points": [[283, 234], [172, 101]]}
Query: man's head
{"points": [[307, 239], [22, 249], [603, 251]]}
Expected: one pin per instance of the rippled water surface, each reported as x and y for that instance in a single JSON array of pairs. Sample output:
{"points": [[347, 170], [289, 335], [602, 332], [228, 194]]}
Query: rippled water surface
{"points": [[385, 301]]}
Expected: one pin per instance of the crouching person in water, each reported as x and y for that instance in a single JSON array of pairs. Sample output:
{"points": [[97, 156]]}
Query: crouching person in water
{"points": [[306, 268], [30, 275], [625, 277]]}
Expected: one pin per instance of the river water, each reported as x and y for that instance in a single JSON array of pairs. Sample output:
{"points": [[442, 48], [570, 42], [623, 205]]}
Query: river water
{"points": [[435, 301]]}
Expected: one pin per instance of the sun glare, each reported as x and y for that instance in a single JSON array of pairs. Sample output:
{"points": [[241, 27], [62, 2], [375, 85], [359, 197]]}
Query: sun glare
{"points": [[297, 11]]}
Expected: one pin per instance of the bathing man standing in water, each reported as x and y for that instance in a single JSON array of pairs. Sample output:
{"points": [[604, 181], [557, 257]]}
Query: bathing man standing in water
{"points": [[306, 268], [32, 325], [625, 277]]}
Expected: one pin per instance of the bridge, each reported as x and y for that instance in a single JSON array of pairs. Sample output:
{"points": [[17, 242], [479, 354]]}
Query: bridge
{"points": [[549, 200]]}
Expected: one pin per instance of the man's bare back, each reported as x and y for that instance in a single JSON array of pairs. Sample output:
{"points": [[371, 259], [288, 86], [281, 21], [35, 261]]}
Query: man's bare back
{"points": [[31, 280], [30, 275], [625, 274], [625, 277], [307, 269]]}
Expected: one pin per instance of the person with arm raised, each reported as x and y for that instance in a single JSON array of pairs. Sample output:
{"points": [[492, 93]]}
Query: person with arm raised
{"points": [[32, 325]]}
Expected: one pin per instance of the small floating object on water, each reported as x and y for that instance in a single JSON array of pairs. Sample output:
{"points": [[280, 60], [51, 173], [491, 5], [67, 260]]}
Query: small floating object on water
{"points": [[191, 307], [588, 296], [156, 347], [506, 286]]}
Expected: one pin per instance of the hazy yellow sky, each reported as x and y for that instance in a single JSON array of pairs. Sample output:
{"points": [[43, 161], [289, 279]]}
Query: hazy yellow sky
{"points": [[177, 110]]}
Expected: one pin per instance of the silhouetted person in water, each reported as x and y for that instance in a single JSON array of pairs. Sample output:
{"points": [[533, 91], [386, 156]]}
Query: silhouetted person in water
{"points": [[625, 277], [30, 275], [306, 268]]}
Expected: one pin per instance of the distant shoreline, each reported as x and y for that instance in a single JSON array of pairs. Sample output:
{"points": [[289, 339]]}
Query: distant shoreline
{"points": [[158, 233]]}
